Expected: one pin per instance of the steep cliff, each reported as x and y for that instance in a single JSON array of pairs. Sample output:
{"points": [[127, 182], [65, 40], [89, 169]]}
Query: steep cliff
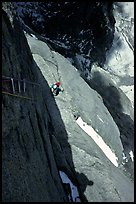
{"points": [[29, 168], [41, 134], [84, 29]]}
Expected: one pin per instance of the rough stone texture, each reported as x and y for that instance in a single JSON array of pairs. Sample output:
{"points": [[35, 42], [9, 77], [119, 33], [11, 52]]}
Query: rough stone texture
{"points": [[115, 83], [120, 58], [82, 147], [28, 164], [87, 33], [84, 28], [41, 137], [119, 106]]}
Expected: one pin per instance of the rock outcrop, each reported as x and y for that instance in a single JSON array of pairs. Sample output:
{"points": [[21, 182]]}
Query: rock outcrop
{"points": [[89, 32], [29, 168], [40, 135], [73, 28], [120, 58]]}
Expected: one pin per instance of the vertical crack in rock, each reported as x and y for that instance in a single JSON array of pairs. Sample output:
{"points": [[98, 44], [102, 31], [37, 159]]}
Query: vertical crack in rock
{"points": [[40, 137]]}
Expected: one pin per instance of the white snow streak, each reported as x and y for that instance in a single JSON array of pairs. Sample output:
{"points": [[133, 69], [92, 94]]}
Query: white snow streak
{"points": [[131, 155], [99, 118], [98, 140], [34, 36]]}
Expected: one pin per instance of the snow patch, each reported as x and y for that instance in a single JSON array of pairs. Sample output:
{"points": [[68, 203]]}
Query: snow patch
{"points": [[125, 159], [131, 155], [34, 36], [74, 191], [98, 140]]}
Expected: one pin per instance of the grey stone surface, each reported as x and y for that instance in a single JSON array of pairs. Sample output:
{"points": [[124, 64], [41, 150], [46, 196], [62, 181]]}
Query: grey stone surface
{"points": [[41, 136]]}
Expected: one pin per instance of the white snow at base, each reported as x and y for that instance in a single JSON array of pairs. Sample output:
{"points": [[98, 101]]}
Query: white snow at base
{"points": [[126, 158], [131, 155], [98, 140], [65, 179]]}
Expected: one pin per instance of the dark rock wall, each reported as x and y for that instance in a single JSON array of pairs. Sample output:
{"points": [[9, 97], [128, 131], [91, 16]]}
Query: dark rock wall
{"points": [[85, 28], [34, 139], [28, 165]]}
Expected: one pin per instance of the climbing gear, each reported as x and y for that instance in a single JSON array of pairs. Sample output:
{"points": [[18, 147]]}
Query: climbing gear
{"points": [[14, 87], [19, 86], [57, 83], [7, 93], [54, 86], [55, 89], [24, 85]]}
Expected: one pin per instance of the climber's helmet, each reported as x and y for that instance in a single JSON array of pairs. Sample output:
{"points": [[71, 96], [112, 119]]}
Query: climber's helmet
{"points": [[58, 83]]}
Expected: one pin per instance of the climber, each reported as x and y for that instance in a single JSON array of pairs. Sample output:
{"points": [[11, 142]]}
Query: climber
{"points": [[55, 88]]}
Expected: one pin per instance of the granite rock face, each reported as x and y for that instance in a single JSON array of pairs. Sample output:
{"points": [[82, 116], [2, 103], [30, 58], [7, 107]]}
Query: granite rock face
{"points": [[40, 136], [115, 82], [28, 164], [72, 28], [88, 33], [120, 58]]}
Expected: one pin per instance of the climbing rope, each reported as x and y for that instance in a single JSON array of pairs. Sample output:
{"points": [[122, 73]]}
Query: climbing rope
{"points": [[12, 80], [7, 93]]}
